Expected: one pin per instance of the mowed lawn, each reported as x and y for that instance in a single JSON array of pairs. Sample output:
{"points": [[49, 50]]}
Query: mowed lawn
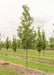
{"points": [[31, 54]]}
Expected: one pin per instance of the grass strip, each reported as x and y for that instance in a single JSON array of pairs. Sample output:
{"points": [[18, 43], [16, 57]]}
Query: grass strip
{"points": [[32, 57], [40, 66]]}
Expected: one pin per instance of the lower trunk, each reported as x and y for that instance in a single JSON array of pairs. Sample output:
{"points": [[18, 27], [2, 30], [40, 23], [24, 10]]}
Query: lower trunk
{"points": [[26, 61], [39, 55], [43, 52], [34, 52]]}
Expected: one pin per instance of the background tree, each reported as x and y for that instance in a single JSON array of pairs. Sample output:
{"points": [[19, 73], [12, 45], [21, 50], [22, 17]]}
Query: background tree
{"points": [[53, 31], [51, 42], [7, 43], [19, 44], [14, 43], [47, 44], [4, 44], [0, 45], [0, 42], [39, 43], [43, 41], [25, 32]]}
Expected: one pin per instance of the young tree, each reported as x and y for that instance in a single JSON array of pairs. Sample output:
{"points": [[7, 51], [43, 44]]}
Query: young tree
{"points": [[43, 41], [25, 32], [7, 43], [14, 43], [51, 42], [19, 44], [39, 43], [0, 42], [4, 44]]}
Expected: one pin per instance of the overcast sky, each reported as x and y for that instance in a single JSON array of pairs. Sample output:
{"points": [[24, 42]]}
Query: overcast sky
{"points": [[10, 10]]}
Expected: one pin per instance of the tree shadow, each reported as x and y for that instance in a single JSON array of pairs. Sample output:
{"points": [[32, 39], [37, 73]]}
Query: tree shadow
{"points": [[5, 63]]}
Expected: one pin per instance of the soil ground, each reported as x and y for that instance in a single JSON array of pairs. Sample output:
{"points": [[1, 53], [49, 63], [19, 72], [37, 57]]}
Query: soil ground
{"points": [[22, 69]]}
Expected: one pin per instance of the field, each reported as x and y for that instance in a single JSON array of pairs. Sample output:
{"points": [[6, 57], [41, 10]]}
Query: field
{"points": [[13, 63]]}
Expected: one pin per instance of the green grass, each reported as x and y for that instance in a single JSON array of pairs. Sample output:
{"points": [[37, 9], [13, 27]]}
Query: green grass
{"points": [[32, 57], [48, 53], [22, 53], [40, 66], [7, 71]]}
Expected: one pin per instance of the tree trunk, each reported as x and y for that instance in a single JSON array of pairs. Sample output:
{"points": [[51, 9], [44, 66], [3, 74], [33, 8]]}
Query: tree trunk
{"points": [[26, 61], [43, 52], [39, 55], [34, 52]]}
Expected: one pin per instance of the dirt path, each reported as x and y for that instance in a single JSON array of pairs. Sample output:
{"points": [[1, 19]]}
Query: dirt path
{"points": [[22, 69], [34, 60], [44, 57]]}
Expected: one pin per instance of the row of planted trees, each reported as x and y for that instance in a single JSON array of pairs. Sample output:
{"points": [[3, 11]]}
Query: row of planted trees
{"points": [[48, 44], [16, 43]]}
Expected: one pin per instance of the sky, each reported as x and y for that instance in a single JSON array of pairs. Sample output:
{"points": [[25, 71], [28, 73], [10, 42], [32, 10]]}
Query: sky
{"points": [[10, 11]]}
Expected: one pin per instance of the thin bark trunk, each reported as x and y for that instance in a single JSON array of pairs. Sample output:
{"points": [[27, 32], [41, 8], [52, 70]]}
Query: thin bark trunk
{"points": [[43, 52], [34, 51], [26, 61], [39, 55]]}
